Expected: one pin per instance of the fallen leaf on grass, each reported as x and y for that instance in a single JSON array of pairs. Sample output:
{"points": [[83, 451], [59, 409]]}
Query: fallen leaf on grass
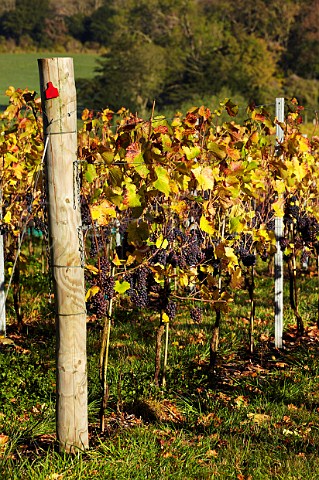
{"points": [[6, 341], [286, 419], [207, 420], [241, 401], [281, 364], [3, 439], [291, 432], [168, 455], [119, 345], [211, 453], [263, 337], [224, 397], [258, 417], [55, 476], [199, 338]]}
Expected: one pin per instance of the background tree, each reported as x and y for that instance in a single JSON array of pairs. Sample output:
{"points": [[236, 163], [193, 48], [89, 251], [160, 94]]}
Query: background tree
{"points": [[302, 54], [182, 50], [188, 49], [132, 75], [27, 19]]}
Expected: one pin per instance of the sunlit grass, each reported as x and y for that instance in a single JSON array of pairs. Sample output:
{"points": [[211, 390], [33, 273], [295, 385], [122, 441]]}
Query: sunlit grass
{"points": [[255, 418]]}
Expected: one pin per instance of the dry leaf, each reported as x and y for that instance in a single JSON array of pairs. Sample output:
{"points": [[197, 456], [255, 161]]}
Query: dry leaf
{"points": [[211, 453], [3, 439], [281, 364], [241, 401], [263, 337], [55, 476], [258, 417]]}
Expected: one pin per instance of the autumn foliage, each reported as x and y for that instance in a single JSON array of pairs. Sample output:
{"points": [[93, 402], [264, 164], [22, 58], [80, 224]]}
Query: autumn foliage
{"points": [[170, 210]]}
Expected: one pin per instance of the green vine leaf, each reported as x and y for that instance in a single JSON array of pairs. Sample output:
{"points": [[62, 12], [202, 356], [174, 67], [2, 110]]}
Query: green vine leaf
{"points": [[121, 287], [163, 182], [90, 173]]}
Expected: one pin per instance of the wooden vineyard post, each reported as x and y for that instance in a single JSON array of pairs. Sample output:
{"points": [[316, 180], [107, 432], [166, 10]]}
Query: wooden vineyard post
{"points": [[58, 96], [279, 224]]}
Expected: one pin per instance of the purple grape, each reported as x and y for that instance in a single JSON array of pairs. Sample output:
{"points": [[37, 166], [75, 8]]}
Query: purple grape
{"points": [[196, 314]]}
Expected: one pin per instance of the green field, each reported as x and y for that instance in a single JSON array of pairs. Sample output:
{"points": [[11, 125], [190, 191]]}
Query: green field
{"points": [[21, 69]]}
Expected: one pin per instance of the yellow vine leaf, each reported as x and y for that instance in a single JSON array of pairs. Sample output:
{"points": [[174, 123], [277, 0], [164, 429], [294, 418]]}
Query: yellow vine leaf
{"points": [[116, 260], [206, 225], [204, 176], [103, 212], [92, 269], [161, 242], [183, 280], [278, 207], [179, 207], [299, 169], [10, 91], [232, 258], [236, 224], [165, 318], [91, 292], [304, 144], [7, 217], [131, 198]]}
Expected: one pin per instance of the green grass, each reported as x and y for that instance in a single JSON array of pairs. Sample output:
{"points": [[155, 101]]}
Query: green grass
{"points": [[20, 70], [256, 418]]}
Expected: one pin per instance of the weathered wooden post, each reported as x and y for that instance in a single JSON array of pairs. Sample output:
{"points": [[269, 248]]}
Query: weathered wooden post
{"points": [[58, 96]]}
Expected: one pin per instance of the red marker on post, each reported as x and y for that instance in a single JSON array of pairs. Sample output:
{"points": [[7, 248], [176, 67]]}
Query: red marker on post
{"points": [[51, 91]]}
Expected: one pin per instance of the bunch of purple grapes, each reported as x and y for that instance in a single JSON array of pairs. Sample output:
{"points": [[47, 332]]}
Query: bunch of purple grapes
{"points": [[85, 212], [171, 309], [248, 259], [193, 253], [159, 257], [96, 245], [4, 228], [98, 304], [175, 234], [106, 279], [196, 314], [308, 227], [139, 281], [186, 250]]}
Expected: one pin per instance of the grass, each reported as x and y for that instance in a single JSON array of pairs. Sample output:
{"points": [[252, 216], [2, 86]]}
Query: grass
{"points": [[256, 418], [21, 69]]}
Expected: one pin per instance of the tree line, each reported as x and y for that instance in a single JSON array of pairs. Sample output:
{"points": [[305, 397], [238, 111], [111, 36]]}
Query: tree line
{"points": [[180, 52]]}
